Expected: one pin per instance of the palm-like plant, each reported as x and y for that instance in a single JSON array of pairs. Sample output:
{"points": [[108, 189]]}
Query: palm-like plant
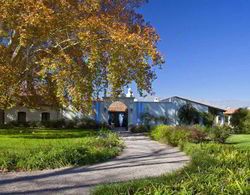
{"points": [[188, 115]]}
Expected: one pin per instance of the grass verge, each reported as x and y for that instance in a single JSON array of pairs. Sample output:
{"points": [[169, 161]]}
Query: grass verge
{"points": [[241, 141], [36, 149], [215, 169]]}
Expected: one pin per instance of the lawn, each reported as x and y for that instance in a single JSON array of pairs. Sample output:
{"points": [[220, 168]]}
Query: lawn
{"points": [[33, 149], [241, 141], [215, 169]]}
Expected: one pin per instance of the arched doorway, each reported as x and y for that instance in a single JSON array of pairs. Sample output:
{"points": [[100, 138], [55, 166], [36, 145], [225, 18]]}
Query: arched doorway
{"points": [[118, 114]]}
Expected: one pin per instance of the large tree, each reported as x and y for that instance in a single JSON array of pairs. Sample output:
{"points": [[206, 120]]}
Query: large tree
{"points": [[240, 120], [188, 115], [69, 51]]}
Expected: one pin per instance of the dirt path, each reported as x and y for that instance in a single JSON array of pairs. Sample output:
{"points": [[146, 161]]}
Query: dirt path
{"points": [[141, 158]]}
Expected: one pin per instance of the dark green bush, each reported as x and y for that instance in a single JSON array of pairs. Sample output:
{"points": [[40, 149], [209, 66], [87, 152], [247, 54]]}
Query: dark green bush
{"points": [[179, 136], [220, 133], [138, 128], [70, 124], [35, 124], [85, 123], [17, 124], [88, 123], [55, 124]]}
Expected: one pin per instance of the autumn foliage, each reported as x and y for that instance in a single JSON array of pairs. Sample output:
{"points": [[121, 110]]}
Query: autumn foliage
{"points": [[70, 51]]}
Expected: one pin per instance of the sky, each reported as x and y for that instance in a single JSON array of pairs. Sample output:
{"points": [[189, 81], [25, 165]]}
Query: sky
{"points": [[206, 45]]}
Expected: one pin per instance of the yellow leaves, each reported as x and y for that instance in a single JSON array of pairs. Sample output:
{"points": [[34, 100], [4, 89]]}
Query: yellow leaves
{"points": [[73, 49]]}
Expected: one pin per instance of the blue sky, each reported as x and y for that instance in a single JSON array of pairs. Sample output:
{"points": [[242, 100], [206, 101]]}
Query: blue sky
{"points": [[206, 44]]}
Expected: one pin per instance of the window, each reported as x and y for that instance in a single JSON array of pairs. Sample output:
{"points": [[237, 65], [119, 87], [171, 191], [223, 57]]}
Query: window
{"points": [[21, 117], [1, 117], [45, 116]]}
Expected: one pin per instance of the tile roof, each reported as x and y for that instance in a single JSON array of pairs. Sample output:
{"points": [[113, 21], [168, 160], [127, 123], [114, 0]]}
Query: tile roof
{"points": [[117, 107], [196, 102], [230, 111]]}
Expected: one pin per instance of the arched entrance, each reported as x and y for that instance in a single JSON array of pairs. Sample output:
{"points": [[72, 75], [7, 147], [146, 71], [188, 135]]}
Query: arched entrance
{"points": [[118, 114]]}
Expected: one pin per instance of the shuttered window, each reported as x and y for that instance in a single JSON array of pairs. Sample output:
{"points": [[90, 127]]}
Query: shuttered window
{"points": [[1, 117], [45, 116], [21, 117]]}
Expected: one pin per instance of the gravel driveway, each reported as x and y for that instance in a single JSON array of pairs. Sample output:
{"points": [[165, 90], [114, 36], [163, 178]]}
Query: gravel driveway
{"points": [[141, 158]]}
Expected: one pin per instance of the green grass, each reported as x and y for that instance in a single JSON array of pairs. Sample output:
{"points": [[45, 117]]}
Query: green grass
{"points": [[215, 169], [241, 141], [32, 149]]}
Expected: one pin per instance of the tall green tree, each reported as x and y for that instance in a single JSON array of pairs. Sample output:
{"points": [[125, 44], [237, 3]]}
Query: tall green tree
{"points": [[246, 124], [70, 51], [207, 118], [188, 115], [240, 119]]}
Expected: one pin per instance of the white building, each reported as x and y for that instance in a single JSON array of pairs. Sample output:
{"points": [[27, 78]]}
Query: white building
{"points": [[108, 110]]}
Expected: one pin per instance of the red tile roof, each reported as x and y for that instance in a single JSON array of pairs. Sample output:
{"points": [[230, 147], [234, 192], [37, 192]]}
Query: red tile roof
{"points": [[230, 111]]}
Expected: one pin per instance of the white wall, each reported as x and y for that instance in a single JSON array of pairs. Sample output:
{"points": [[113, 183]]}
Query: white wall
{"points": [[31, 114], [70, 114]]}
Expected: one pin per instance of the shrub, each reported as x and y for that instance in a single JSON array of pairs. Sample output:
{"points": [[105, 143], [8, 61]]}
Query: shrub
{"points": [[198, 134], [220, 133], [177, 136], [88, 123], [35, 124], [138, 128], [85, 123], [55, 124], [12, 124], [160, 132], [70, 124], [108, 138]]}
